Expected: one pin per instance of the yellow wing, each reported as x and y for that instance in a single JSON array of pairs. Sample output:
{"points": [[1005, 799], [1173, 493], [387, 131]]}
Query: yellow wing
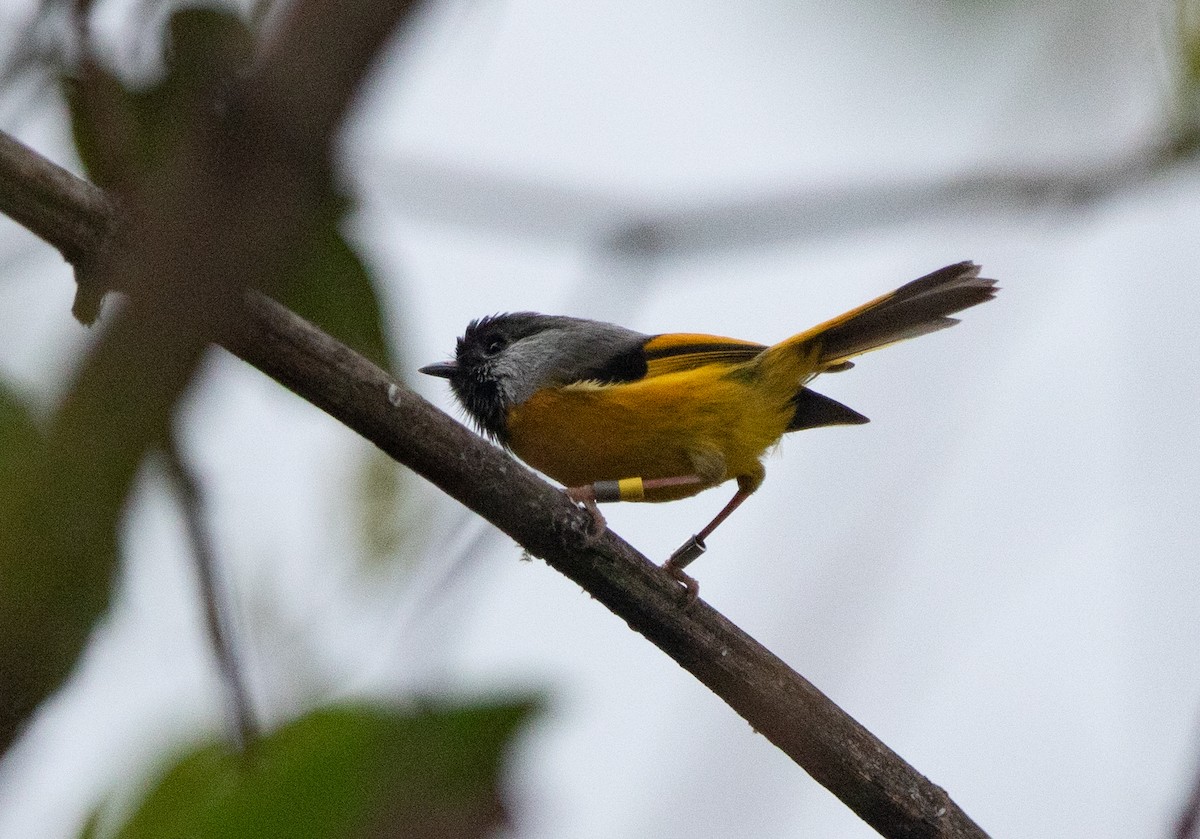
{"points": [[681, 351]]}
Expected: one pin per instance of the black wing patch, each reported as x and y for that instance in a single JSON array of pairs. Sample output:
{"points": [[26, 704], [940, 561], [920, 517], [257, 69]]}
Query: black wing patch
{"points": [[628, 365]]}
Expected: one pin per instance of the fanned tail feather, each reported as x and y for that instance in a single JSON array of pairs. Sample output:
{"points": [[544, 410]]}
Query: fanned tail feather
{"points": [[916, 308]]}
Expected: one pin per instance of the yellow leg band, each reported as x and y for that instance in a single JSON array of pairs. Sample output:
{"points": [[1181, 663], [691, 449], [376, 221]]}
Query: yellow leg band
{"points": [[626, 489], [631, 489]]}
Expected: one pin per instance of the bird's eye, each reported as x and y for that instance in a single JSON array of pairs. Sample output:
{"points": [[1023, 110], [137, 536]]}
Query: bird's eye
{"points": [[494, 346]]}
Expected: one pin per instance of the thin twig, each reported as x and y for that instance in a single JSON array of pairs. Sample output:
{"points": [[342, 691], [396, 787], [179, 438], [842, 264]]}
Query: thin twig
{"points": [[218, 616], [837, 751], [1189, 817], [1185, 828], [800, 213]]}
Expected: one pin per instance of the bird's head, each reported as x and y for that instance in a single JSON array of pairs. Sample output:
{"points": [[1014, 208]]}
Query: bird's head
{"points": [[502, 360]]}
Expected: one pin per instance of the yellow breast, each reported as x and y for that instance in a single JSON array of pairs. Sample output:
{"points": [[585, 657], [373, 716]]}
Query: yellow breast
{"points": [[715, 421]]}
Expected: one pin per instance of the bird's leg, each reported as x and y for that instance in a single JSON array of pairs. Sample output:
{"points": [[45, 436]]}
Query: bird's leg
{"points": [[690, 551], [634, 489], [626, 489]]}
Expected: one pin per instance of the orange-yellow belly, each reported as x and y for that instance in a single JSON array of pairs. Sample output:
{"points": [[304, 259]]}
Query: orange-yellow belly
{"points": [[666, 426]]}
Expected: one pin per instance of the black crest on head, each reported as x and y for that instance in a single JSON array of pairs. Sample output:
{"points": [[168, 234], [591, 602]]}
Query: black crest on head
{"points": [[476, 383]]}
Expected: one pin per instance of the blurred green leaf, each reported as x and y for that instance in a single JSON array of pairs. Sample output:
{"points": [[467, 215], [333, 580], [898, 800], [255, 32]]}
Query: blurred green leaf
{"points": [[1187, 130], [1189, 38], [58, 534], [343, 773], [382, 489], [91, 828], [105, 161], [20, 439], [61, 500], [124, 136], [333, 289]]}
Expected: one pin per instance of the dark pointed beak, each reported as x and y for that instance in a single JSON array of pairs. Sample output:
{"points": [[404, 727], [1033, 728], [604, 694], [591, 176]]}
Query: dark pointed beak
{"points": [[443, 369]]}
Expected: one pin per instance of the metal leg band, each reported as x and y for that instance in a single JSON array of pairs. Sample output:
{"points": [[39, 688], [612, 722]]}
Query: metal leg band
{"points": [[607, 491], [687, 553]]}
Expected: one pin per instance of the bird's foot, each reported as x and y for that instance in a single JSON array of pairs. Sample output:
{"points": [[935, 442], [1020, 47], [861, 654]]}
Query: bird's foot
{"points": [[683, 556], [586, 495]]}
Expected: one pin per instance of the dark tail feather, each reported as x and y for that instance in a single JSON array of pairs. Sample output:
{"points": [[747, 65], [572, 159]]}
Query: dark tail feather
{"points": [[916, 308], [814, 410]]}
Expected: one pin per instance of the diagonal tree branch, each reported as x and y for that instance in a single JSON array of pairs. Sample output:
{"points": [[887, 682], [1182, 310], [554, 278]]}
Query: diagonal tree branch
{"points": [[863, 772]]}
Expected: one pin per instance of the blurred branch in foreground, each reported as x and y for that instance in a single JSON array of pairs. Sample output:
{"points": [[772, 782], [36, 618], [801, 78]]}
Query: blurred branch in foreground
{"points": [[875, 782], [235, 197], [699, 224]]}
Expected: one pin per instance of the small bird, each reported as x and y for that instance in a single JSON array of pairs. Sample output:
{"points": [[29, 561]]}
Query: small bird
{"points": [[617, 415]]}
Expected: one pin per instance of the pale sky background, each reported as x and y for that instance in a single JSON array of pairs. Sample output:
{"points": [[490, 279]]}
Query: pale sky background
{"points": [[997, 576]]}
